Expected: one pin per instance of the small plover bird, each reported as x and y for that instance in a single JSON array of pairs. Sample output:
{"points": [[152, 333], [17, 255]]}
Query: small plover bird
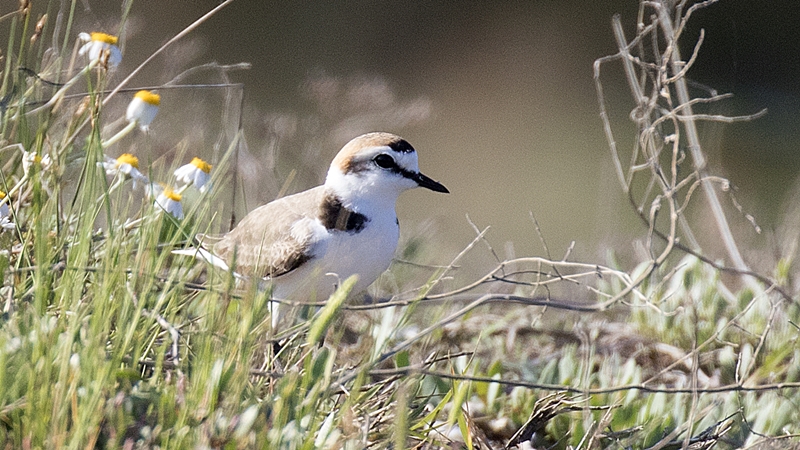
{"points": [[303, 244]]}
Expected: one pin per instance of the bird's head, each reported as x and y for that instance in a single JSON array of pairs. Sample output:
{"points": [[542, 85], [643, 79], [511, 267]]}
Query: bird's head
{"points": [[377, 165]]}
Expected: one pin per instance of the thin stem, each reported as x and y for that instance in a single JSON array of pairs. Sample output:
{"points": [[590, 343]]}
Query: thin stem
{"points": [[121, 134], [693, 141]]}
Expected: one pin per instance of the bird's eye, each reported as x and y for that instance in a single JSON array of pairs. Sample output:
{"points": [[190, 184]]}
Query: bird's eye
{"points": [[385, 161]]}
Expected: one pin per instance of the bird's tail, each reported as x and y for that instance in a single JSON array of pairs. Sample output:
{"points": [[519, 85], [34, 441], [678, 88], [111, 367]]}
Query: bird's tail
{"points": [[216, 261], [205, 255]]}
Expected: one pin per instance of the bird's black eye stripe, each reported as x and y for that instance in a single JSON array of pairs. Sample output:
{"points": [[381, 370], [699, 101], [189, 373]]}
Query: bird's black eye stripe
{"points": [[402, 146], [385, 161]]}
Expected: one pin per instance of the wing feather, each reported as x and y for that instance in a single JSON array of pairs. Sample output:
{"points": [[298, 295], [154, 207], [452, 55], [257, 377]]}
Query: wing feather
{"points": [[275, 238]]}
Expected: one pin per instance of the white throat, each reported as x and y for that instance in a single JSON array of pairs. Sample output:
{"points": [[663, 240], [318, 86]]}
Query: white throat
{"points": [[366, 192]]}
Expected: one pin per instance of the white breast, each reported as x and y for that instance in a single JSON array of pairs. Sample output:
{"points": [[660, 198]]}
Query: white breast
{"points": [[340, 254]]}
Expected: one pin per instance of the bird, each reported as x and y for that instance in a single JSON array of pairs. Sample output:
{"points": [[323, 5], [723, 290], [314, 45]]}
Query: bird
{"points": [[303, 244]]}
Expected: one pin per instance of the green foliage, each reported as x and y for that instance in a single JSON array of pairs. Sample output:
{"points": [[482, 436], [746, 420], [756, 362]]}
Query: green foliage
{"points": [[103, 343]]}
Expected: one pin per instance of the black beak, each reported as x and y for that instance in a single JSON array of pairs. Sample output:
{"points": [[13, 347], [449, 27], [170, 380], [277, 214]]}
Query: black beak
{"points": [[428, 183]]}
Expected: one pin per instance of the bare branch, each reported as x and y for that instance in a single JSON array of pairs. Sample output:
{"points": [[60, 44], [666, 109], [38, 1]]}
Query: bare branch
{"points": [[643, 387]]}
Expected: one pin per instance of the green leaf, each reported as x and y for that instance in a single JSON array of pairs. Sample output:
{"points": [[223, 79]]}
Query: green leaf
{"points": [[431, 417], [322, 321], [402, 359]]}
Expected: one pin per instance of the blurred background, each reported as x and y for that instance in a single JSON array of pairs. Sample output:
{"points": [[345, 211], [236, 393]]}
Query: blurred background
{"points": [[497, 97]]}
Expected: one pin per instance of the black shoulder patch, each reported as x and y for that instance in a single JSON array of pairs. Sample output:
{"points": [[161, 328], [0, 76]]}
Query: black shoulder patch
{"points": [[402, 146], [334, 216], [289, 265]]}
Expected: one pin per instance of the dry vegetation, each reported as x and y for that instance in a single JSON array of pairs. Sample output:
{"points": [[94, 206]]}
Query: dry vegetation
{"points": [[107, 341]]}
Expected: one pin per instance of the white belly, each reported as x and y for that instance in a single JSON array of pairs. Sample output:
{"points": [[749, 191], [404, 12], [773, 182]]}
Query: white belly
{"points": [[338, 255]]}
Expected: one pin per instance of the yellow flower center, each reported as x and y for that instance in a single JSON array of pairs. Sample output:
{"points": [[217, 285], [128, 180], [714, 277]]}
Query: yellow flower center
{"points": [[127, 158], [172, 195], [202, 165], [37, 159], [2, 195], [103, 37], [148, 97]]}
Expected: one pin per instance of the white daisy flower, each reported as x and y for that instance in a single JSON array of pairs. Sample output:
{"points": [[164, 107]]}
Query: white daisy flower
{"points": [[143, 109], [127, 165], [31, 158], [98, 45], [170, 201], [5, 213], [197, 173]]}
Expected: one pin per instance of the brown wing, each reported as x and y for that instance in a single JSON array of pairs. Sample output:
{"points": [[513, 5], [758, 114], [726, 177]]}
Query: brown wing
{"points": [[273, 239]]}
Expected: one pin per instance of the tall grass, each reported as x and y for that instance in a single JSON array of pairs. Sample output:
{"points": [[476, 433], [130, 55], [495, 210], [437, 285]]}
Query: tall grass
{"points": [[109, 341]]}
